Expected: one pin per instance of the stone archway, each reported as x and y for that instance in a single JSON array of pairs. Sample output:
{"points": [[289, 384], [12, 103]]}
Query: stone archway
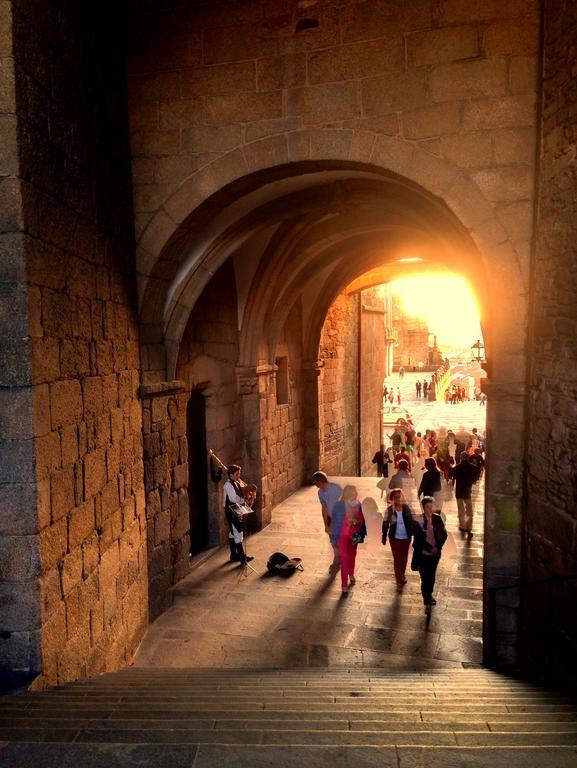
{"points": [[184, 246]]}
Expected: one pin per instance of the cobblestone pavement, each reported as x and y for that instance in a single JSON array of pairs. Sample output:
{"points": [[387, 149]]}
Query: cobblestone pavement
{"points": [[218, 620]]}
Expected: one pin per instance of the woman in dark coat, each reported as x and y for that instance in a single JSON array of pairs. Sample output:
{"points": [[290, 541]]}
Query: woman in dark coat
{"points": [[430, 536]]}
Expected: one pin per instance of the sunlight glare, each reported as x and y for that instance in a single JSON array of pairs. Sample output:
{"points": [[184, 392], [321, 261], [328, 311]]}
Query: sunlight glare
{"points": [[446, 302]]}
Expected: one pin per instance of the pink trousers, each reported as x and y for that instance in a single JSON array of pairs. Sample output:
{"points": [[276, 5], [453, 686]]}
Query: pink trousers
{"points": [[348, 553]]}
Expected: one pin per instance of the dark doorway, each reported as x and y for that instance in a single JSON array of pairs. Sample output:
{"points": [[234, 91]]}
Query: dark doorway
{"points": [[197, 472]]}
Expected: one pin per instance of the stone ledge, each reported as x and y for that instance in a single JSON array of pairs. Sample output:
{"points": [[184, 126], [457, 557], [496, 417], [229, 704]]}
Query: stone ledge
{"points": [[161, 388]]}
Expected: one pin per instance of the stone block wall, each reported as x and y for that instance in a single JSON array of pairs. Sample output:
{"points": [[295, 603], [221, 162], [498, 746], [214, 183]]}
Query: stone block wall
{"points": [[550, 530], [372, 373], [20, 615], [166, 486], [338, 387], [83, 539], [283, 463], [245, 84]]}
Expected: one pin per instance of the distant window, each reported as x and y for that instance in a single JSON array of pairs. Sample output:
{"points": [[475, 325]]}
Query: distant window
{"points": [[282, 381]]}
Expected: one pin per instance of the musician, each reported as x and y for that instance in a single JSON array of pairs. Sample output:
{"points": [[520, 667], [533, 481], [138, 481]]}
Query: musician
{"points": [[233, 495]]}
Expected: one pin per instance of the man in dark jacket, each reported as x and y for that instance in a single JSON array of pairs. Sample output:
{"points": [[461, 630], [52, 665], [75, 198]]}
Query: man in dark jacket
{"points": [[382, 459], [464, 476]]}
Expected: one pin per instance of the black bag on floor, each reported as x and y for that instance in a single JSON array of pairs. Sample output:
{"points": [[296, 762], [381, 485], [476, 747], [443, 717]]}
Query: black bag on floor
{"points": [[282, 565]]}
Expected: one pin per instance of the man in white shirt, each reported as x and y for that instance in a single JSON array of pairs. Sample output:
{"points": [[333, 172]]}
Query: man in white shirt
{"points": [[329, 494]]}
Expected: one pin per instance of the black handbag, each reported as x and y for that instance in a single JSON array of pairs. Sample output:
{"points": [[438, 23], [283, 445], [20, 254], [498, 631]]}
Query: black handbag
{"points": [[415, 560]]}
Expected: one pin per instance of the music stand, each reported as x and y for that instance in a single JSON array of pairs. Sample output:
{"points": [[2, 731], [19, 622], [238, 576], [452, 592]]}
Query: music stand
{"points": [[242, 511]]}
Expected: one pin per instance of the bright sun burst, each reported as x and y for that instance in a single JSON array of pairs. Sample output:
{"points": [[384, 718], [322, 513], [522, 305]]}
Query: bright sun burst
{"points": [[446, 302]]}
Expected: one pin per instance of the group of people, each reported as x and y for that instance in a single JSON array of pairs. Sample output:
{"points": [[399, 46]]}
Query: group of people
{"points": [[389, 394], [455, 394], [455, 457], [345, 525], [422, 388]]}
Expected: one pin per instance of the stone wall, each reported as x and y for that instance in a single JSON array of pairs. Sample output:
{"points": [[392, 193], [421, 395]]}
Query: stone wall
{"points": [[351, 383], [338, 387], [165, 483], [550, 540], [246, 84], [371, 374], [20, 618], [207, 360], [283, 465], [85, 526]]}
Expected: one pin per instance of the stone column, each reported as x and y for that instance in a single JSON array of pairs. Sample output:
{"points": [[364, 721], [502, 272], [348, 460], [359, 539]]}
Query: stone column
{"points": [[503, 515], [256, 391], [311, 374]]}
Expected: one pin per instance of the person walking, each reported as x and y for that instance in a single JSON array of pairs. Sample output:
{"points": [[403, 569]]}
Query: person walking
{"points": [[348, 529], [418, 388], [382, 459], [418, 447], [430, 485], [425, 387], [462, 438], [464, 475], [398, 525], [398, 396], [329, 494], [403, 455], [443, 456], [432, 442], [430, 536], [396, 439]]}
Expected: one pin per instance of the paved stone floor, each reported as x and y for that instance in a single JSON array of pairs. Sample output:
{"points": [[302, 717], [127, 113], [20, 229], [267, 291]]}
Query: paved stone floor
{"points": [[434, 415], [217, 620]]}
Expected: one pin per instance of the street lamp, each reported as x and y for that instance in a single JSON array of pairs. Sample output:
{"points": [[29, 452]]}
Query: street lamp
{"points": [[478, 350]]}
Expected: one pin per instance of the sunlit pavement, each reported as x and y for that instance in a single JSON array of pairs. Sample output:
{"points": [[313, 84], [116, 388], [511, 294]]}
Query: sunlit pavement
{"points": [[436, 414], [263, 621]]}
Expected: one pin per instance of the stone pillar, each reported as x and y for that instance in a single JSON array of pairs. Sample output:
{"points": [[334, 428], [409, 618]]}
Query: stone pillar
{"points": [[166, 485], [255, 390], [503, 515], [311, 374]]}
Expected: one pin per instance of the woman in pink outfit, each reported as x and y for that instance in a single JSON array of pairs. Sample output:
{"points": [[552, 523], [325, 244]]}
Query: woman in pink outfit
{"points": [[352, 532]]}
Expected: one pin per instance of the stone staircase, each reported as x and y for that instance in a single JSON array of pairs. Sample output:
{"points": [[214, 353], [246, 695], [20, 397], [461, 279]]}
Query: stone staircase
{"points": [[339, 717]]}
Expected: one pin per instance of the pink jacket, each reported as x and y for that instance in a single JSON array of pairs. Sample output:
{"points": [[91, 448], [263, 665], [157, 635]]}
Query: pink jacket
{"points": [[353, 512]]}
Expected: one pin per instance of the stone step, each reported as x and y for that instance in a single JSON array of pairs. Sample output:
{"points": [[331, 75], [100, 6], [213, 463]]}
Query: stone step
{"points": [[284, 724], [300, 709], [213, 756], [415, 716], [285, 737], [353, 701]]}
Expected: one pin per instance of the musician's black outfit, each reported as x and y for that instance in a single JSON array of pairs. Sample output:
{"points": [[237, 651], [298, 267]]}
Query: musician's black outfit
{"points": [[232, 497]]}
